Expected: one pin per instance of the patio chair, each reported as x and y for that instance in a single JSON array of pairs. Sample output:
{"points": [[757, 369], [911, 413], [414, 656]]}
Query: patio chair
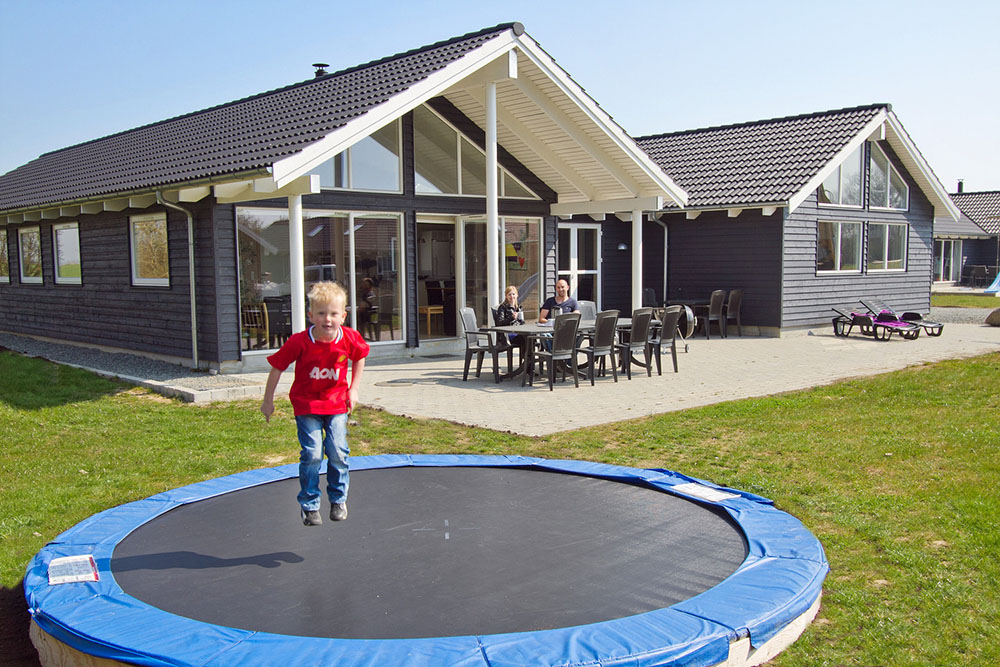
{"points": [[479, 343], [638, 341], [253, 319], [564, 348], [713, 313], [977, 276], [503, 343], [665, 335], [876, 306], [732, 311], [588, 310], [602, 345]]}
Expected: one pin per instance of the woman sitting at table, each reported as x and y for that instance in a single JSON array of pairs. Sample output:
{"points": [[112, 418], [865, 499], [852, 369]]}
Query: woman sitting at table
{"points": [[509, 313]]}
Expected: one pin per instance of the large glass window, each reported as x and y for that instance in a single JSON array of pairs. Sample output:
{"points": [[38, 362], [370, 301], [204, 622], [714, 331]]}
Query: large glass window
{"points": [[838, 246], [150, 257], [371, 164], [522, 261], [29, 244], [4, 257], [886, 247], [371, 275], [843, 186], [446, 162], [887, 188], [66, 252]]}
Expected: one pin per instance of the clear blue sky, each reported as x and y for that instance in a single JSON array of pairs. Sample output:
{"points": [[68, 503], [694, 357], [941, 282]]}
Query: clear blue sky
{"points": [[75, 71]]}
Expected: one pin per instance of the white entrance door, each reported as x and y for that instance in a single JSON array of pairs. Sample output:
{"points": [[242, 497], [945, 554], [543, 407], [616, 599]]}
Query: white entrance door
{"points": [[579, 260]]}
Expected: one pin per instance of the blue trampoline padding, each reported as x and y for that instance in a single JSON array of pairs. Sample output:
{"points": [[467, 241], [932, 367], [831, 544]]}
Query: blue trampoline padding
{"points": [[779, 580]]}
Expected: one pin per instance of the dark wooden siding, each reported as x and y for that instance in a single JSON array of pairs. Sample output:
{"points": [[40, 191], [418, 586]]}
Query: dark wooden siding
{"points": [[105, 309], [715, 251], [808, 296]]}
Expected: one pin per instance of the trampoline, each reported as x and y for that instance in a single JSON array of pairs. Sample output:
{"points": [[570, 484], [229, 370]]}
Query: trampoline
{"points": [[445, 560]]}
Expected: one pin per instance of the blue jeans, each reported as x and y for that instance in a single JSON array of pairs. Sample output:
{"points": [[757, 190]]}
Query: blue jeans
{"points": [[319, 433]]}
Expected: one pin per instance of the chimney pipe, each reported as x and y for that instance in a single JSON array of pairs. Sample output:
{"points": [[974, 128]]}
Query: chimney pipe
{"points": [[961, 183], [320, 69]]}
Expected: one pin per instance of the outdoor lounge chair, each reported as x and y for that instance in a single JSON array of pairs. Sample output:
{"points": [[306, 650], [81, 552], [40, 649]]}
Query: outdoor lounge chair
{"points": [[869, 325], [877, 307]]}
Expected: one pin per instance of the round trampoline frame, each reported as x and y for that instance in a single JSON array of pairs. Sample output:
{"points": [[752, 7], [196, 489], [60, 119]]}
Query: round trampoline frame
{"points": [[747, 618]]}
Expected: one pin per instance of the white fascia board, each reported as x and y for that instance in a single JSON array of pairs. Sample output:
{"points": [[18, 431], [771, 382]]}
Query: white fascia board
{"points": [[861, 137], [339, 140], [607, 206], [544, 62], [899, 139], [265, 188]]}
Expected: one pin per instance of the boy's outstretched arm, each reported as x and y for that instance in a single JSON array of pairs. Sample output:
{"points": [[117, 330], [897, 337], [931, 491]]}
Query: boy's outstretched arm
{"points": [[357, 370], [267, 405]]}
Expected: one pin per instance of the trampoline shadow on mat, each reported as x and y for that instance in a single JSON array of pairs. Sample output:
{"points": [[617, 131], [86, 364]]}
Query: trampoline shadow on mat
{"points": [[463, 560]]}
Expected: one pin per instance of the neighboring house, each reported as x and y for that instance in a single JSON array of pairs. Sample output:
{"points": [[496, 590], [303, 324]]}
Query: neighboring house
{"points": [[426, 181], [804, 213], [977, 244]]}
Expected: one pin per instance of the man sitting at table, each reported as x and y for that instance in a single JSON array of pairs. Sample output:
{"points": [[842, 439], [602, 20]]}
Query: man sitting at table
{"points": [[559, 304]]}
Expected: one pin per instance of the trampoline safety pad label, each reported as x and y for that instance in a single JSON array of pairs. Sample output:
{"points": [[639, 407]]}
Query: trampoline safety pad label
{"points": [[704, 492], [72, 569]]}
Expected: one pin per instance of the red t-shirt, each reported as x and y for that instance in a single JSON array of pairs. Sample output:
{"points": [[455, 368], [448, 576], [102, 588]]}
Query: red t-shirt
{"points": [[320, 386]]}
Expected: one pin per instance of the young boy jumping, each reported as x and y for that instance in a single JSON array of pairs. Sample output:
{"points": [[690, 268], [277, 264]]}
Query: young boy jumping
{"points": [[321, 397]]}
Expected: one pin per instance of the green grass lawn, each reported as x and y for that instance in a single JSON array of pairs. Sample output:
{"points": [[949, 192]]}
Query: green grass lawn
{"points": [[957, 300], [897, 475]]}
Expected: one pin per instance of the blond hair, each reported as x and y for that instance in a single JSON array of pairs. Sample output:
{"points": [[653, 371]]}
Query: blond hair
{"points": [[507, 291], [327, 292]]}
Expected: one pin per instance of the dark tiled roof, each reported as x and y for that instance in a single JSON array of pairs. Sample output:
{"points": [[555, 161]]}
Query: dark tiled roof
{"points": [[982, 207], [241, 136], [762, 162]]}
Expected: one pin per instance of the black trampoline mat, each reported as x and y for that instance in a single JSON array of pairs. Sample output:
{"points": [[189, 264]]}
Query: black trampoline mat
{"points": [[430, 552]]}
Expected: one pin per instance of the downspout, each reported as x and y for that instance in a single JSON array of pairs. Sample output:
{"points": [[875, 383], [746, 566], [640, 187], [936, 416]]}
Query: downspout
{"points": [[655, 219], [195, 363]]}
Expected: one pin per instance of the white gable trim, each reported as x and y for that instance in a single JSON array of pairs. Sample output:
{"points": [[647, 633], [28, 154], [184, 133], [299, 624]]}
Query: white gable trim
{"points": [[354, 131], [545, 63], [861, 137], [924, 175]]}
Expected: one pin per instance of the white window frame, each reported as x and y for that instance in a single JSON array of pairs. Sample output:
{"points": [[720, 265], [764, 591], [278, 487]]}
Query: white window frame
{"points": [[837, 259], [350, 169], [459, 138], [840, 175], [21, 233], [137, 280], [5, 249], [572, 275], [65, 280], [885, 246], [884, 206]]}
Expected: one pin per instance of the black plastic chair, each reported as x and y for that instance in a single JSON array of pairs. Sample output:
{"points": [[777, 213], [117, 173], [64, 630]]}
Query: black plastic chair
{"points": [[714, 313], [504, 344], [564, 347], [732, 312], [638, 341], [479, 343], [665, 335], [603, 344]]}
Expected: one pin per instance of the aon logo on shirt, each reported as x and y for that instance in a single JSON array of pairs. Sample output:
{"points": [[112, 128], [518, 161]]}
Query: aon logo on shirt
{"points": [[324, 373]]}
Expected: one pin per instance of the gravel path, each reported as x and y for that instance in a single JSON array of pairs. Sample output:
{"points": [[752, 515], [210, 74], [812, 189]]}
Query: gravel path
{"points": [[119, 364], [961, 315]]}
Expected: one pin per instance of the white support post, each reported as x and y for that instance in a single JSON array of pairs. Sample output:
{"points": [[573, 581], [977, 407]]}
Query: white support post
{"points": [[493, 286], [296, 258], [636, 260]]}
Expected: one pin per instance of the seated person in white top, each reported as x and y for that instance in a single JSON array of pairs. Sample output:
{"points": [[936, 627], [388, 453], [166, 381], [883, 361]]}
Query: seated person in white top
{"points": [[561, 303]]}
